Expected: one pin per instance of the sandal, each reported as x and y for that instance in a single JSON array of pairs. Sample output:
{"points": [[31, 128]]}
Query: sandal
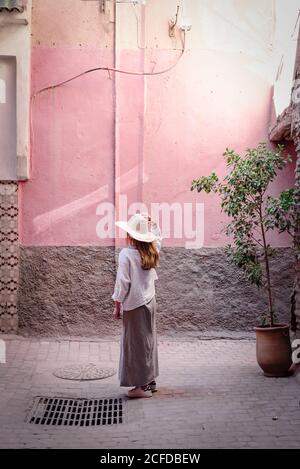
{"points": [[152, 386], [140, 391]]}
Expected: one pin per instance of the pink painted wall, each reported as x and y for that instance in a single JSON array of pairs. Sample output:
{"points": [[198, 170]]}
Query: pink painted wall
{"points": [[170, 128], [72, 146]]}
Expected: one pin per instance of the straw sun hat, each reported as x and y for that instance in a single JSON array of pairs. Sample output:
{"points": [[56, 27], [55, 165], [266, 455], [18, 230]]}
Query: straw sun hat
{"points": [[138, 228]]}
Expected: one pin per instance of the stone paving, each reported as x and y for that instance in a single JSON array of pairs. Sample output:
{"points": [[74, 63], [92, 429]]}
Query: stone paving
{"points": [[211, 395]]}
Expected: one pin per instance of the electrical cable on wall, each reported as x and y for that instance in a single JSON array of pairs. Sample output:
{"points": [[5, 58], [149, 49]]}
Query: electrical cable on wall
{"points": [[116, 70]]}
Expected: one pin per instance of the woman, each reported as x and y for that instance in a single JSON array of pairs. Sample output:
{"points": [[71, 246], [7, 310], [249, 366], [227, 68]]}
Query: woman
{"points": [[135, 291]]}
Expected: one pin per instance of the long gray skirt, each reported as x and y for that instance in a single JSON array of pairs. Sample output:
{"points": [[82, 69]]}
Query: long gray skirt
{"points": [[138, 353]]}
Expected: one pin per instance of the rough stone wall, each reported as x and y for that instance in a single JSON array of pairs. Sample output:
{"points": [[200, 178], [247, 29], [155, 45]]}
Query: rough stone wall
{"points": [[67, 291], [295, 132], [201, 290]]}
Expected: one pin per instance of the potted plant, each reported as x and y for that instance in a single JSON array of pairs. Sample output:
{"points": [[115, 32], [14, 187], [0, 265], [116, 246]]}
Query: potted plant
{"points": [[253, 213]]}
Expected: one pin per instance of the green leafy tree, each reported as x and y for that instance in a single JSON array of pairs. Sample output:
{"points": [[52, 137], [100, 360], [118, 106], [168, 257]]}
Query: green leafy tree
{"points": [[252, 212]]}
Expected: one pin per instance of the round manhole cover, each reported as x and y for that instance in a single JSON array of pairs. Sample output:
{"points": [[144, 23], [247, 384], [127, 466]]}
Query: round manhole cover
{"points": [[84, 372]]}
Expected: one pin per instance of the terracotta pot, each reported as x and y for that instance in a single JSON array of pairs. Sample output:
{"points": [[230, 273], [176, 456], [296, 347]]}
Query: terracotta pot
{"points": [[273, 350]]}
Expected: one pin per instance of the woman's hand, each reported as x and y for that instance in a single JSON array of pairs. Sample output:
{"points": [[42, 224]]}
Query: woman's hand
{"points": [[117, 314], [117, 311]]}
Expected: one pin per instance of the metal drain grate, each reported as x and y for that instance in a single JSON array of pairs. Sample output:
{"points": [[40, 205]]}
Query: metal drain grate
{"points": [[76, 412]]}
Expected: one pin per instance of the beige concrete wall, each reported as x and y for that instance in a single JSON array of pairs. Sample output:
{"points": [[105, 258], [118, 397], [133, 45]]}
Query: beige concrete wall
{"points": [[71, 23]]}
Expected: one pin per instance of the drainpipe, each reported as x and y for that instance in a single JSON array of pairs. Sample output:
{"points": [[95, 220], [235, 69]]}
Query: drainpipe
{"points": [[116, 136], [115, 123]]}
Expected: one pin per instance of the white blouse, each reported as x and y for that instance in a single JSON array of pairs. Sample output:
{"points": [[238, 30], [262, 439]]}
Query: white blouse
{"points": [[134, 285]]}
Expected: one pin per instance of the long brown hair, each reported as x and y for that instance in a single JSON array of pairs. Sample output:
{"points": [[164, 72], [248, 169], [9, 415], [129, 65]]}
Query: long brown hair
{"points": [[148, 252]]}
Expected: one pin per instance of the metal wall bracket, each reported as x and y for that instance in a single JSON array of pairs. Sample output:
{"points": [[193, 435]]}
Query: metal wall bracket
{"points": [[103, 6]]}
